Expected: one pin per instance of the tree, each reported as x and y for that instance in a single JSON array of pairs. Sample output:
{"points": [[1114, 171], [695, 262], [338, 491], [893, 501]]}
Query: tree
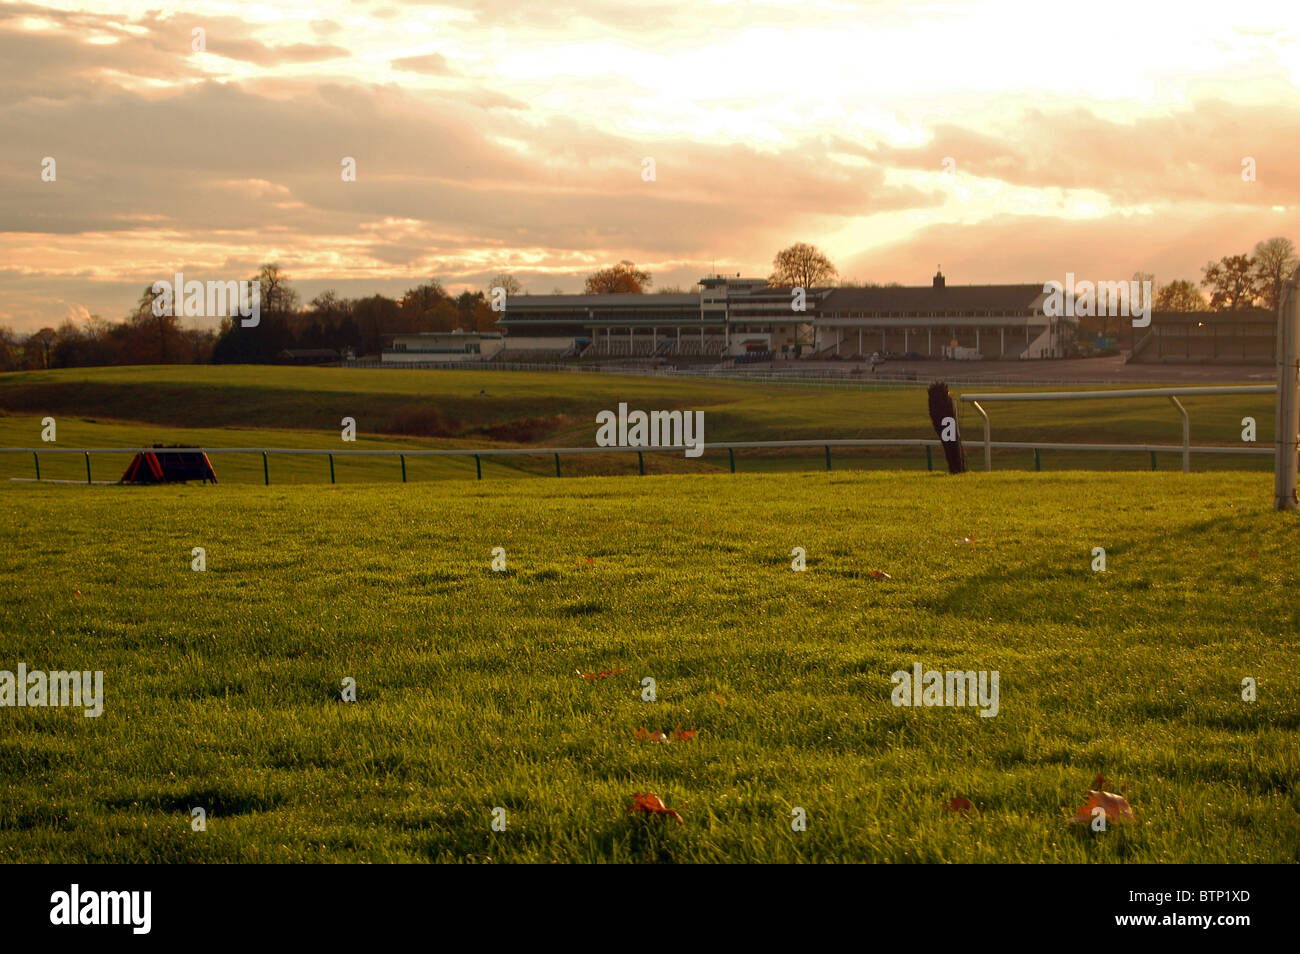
{"points": [[277, 297], [40, 345], [417, 307], [10, 350], [1275, 260], [623, 277], [277, 310], [1233, 283], [1179, 295], [199, 342], [378, 316], [507, 281], [474, 310], [444, 316], [158, 329], [801, 266]]}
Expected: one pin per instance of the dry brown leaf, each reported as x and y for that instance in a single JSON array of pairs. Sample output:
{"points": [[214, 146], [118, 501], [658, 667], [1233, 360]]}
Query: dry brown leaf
{"points": [[603, 674], [1116, 807], [652, 804]]}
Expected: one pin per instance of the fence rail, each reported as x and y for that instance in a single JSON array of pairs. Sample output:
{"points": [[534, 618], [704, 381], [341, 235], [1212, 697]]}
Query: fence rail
{"points": [[929, 444], [1173, 394], [853, 376]]}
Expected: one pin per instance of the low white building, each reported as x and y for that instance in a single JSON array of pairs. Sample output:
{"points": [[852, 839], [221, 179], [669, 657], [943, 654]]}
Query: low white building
{"points": [[430, 347]]}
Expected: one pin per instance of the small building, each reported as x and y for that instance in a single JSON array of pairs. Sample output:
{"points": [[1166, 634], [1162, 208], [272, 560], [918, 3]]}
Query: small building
{"points": [[439, 347]]}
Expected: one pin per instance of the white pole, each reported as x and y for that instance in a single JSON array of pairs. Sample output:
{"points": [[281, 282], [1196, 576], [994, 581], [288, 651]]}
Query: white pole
{"points": [[1287, 435]]}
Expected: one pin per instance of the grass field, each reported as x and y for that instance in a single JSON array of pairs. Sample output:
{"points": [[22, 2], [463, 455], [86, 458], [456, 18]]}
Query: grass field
{"points": [[222, 687], [216, 406]]}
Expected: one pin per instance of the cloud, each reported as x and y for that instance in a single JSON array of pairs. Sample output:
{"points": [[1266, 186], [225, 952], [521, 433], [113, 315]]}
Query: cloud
{"points": [[432, 63], [519, 145], [1191, 153]]}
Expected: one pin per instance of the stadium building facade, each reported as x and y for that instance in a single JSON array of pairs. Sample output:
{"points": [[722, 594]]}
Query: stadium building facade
{"points": [[745, 319], [939, 320]]}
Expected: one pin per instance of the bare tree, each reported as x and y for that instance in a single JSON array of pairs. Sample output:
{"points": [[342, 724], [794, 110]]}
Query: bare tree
{"points": [[277, 297], [504, 280], [803, 266], [1275, 260], [39, 346], [161, 327]]}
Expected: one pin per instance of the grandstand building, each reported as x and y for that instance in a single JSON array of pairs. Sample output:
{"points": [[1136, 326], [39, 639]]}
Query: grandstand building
{"points": [[728, 317], [745, 319], [939, 320], [1218, 337]]}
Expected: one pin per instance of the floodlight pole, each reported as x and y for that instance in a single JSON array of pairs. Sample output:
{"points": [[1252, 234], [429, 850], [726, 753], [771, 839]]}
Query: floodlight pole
{"points": [[1287, 435]]}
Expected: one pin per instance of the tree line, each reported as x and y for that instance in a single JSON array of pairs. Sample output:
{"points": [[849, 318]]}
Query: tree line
{"points": [[329, 321]]}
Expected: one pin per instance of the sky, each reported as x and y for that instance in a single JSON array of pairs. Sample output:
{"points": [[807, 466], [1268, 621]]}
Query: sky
{"points": [[1005, 140]]}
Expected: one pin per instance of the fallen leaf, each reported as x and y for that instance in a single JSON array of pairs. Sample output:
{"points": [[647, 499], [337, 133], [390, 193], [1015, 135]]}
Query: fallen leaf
{"points": [[1116, 807], [652, 804], [679, 735], [1099, 783], [720, 697], [603, 674], [958, 805]]}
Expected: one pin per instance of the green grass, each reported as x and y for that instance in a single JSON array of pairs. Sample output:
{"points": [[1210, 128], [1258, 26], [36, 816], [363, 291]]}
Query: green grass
{"points": [[302, 407], [222, 686]]}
